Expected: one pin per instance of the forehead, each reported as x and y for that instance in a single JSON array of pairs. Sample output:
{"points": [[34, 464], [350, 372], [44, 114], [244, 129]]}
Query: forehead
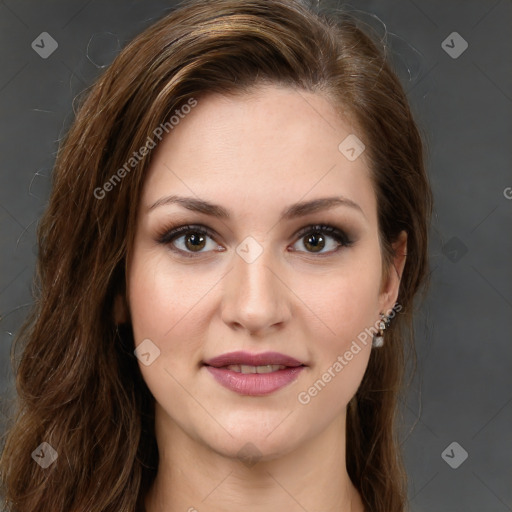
{"points": [[274, 144]]}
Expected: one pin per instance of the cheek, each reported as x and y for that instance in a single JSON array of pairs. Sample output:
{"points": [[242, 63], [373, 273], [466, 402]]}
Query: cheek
{"points": [[165, 309], [163, 305], [345, 306], [346, 302]]}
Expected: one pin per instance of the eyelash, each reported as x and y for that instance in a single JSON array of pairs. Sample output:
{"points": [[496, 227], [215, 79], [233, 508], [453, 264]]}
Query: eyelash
{"points": [[169, 234]]}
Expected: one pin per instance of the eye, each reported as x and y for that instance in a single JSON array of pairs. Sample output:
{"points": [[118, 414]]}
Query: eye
{"points": [[316, 238], [188, 240]]}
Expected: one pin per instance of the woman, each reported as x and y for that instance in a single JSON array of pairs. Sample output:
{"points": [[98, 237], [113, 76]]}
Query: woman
{"points": [[235, 235]]}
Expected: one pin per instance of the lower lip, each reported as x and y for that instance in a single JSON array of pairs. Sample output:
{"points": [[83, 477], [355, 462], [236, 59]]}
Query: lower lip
{"points": [[254, 384]]}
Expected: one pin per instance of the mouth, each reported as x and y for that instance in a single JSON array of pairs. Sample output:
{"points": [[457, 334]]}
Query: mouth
{"points": [[246, 359], [244, 368], [254, 374]]}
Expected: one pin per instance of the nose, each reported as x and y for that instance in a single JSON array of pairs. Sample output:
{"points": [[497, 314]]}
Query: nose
{"points": [[255, 296]]}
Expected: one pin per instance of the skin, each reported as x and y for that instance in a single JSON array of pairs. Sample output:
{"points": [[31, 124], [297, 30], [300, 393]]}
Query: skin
{"points": [[255, 154]]}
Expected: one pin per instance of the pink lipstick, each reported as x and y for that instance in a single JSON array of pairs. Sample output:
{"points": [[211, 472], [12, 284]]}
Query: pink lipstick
{"points": [[254, 374]]}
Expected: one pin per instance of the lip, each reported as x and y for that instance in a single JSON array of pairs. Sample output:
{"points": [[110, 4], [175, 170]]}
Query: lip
{"points": [[254, 384], [246, 358]]}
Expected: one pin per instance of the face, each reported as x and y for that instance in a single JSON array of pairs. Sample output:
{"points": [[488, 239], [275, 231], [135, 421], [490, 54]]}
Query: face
{"points": [[257, 273]]}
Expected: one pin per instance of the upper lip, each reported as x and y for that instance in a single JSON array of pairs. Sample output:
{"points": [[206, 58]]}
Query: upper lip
{"points": [[246, 358]]}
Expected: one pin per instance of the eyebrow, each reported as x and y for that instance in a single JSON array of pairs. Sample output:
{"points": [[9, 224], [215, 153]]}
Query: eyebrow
{"points": [[293, 211]]}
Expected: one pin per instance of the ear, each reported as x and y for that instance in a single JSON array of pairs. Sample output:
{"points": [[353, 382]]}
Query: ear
{"points": [[391, 283], [120, 310]]}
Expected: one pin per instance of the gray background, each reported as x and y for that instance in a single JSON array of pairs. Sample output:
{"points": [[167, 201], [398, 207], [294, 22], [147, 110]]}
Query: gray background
{"points": [[463, 389]]}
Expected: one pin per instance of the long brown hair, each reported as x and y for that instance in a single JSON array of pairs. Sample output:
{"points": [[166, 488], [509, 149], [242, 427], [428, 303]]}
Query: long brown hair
{"points": [[78, 384]]}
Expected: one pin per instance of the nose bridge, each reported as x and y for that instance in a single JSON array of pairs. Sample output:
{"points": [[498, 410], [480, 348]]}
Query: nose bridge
{"points": [[255, 297]]}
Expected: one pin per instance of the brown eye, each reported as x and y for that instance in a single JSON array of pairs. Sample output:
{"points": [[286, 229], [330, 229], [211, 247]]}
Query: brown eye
{"points": [[314, 242], [188, 240], [316, 238], [194, 242]]}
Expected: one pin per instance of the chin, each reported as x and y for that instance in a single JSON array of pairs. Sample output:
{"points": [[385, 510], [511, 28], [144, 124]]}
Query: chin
{"points": [[250, 449], [253, 441]]}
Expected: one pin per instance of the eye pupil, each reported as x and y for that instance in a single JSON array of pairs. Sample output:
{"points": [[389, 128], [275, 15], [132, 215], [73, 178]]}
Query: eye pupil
{"points": [[316, 238], [195, 238]]}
